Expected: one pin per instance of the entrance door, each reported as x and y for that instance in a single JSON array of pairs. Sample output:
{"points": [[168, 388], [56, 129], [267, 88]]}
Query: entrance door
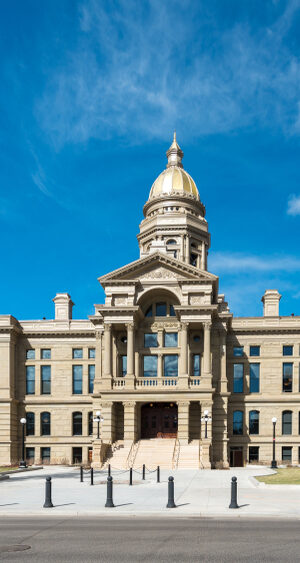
{"points": [[236, 457], [159, 420]]}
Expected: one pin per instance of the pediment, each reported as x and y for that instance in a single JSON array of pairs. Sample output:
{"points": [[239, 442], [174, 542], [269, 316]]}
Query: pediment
{"points": [[157, 266]]}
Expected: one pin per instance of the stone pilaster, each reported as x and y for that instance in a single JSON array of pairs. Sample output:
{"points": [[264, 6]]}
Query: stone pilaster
{"points": [[130, 421], [183, 381], [183, 421], [107, 425], [98, 362]]}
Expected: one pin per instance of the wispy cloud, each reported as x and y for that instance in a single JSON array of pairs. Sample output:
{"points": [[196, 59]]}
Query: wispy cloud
{"points": [[141, 69], [239, 263], [293, 205]]}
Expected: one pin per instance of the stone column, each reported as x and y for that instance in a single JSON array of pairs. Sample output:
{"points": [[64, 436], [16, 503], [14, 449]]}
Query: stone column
{"points": [[184, 349], [206, 349], [130, 421], [130, 349], [98, 362], [107, 350], [202, 264], [183, 421], [159, 366], [187, 249]]}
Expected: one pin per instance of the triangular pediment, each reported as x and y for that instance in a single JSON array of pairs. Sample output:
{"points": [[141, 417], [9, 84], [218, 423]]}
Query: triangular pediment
{"points": [[157, 266]]}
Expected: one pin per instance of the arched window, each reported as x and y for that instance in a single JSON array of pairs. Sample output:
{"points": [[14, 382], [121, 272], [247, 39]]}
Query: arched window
{"points": [[45, 424], [171, 241], [238, 421], [90, 423], [287, 422], [30, 424], [254, 422], [77, 423], [193, 259]]}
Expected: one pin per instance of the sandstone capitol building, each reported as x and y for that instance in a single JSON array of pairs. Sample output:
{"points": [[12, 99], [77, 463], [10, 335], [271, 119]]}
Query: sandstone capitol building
{"points": [[177, 379]]}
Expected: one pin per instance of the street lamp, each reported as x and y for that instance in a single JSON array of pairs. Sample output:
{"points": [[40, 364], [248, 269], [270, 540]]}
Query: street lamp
{"points": [[98, 419], [274, 462], [206, 418], [23, 461]]}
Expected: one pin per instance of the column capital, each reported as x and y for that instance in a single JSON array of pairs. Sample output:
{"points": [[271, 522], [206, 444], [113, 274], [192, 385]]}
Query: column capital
{"points": [[130, 325], [207, 325], [107, 327], [183, 404], [106, 405], [184, 325], [129, 404]]}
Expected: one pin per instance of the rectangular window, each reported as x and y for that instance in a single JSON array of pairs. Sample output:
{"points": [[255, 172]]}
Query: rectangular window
{"points": [[286, 453], [123, 366], [171, 339], [287, 350], [30, 455], [30, 354], [30, 380], [45, 380], [77, 455], [253, 454], [254, 350], [91, 378], [150, 366], [77, 353], [238, 423], [254, 378], [298, 454], [150, 340], [77, 380], [196, 365], [46, 354], [92, 353], [161, 310], [238, 351], [172, 311], [90, 423], [287, 377], [46, 455], [238, 378], [171, 365]]}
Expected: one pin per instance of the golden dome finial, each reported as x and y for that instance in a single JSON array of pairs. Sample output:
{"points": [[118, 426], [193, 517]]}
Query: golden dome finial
{"points": [[174, 153]]}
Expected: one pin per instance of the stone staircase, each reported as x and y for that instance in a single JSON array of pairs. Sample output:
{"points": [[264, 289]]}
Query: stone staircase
{"points": [[154, 452], [189, 455], [118, 455]]}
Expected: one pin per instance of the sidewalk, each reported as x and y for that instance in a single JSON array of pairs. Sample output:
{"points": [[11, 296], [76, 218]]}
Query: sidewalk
{"points": [[197, 493]]}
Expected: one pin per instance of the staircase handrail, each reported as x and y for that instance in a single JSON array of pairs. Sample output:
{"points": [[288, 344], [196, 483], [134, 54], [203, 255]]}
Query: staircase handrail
{"points": [[176, 452], [132, 454]]}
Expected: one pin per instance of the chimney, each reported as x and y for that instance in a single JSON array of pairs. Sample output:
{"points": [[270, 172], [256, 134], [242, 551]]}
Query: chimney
{"points": [[271, 300], [63, 306]]}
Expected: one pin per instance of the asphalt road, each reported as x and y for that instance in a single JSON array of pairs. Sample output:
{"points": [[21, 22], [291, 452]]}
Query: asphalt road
{"points": [[134, 539]]}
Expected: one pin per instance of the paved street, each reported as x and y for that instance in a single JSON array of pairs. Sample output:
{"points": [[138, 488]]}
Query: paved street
{"points": [[135, 540], [197, 493]]}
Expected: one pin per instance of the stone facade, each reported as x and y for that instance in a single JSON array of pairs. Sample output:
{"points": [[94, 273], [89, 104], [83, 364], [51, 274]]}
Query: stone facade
{"points": [[164, 336]]}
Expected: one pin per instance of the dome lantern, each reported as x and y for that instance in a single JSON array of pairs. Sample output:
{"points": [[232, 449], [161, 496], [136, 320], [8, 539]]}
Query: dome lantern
{"points": [[174, 154]]}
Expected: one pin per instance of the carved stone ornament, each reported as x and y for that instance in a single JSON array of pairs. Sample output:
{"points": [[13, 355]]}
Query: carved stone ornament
{"points": [[159, 273], [129, 404], [120, 300], [197, 300], [162, 325], [106, 405]]}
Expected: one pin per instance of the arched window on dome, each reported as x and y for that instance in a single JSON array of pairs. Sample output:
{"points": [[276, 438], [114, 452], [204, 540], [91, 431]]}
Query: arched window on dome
{"points": [[193, 259], [171, 244], [171, 241]]}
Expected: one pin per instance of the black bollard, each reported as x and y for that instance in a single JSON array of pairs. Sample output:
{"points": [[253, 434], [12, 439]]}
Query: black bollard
{"points": [[81, 474], [130, 476], [233, 502], [109, 495], [144, 472], [158, 474], [92, 476], [109, 470], [48, 500], [171, 502]]}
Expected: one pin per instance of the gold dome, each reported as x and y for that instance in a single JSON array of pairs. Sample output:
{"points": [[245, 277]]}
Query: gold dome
{"points": [[174, 180]]}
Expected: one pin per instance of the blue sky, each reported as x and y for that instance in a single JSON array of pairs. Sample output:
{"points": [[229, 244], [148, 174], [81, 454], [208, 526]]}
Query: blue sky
{"points": [[90, 94]]}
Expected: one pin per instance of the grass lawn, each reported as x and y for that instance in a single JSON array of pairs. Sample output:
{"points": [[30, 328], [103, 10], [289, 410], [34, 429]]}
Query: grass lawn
{"points": [[284, 476], [7, 468]]}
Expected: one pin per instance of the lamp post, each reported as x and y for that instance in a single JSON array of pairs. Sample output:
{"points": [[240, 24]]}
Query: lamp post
{"points": [[98, 419], [274, 462], [23, 461], [206, 418]]}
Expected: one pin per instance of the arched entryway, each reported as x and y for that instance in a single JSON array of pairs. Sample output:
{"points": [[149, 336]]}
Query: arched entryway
{"points": [[159, 420]]}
